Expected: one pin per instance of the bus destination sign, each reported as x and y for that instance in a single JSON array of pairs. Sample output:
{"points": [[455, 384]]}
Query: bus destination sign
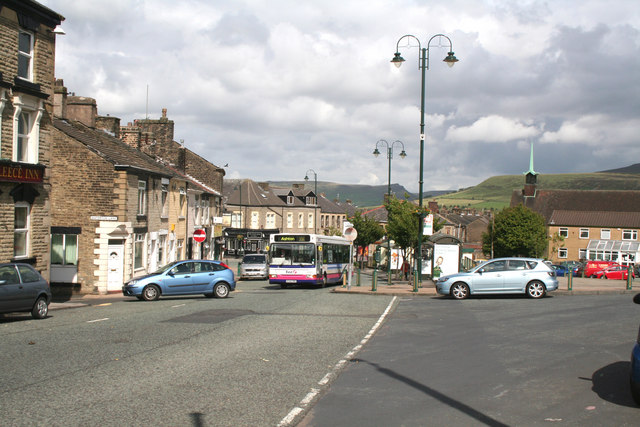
{"points": [[292, 238]]}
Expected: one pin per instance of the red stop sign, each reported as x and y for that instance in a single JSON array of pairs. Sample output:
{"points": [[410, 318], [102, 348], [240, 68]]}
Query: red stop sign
{"points": [[199, 235]]}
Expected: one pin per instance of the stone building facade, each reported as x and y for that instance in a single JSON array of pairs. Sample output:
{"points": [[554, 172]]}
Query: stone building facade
{"points": [[27, 68], [112, 216]]}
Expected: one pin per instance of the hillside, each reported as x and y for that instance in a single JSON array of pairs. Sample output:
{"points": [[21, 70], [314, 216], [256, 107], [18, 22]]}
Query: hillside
{"points": [[360, 195], [495, 192]]}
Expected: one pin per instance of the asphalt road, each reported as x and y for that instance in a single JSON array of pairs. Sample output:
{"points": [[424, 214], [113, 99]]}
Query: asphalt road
{"points": [[243, 361], [496, 361]]}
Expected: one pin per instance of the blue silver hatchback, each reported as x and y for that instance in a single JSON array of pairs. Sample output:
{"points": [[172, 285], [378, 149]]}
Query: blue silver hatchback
{"points": [[190, 277], [530, 276]]}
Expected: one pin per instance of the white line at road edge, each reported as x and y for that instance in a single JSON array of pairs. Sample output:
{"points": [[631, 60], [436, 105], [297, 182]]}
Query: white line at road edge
{"points": [[331, 375]]}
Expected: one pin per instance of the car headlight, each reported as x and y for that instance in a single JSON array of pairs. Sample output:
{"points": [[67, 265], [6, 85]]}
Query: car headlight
{"points": [[132, 283]]}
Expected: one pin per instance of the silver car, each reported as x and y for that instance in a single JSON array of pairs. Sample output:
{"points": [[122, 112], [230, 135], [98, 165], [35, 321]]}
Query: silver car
{"points": [[254, 266], [530, 276]]}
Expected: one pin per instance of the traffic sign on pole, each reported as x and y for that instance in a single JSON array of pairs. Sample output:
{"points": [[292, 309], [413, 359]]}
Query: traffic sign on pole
{"points": [[199, 235]]}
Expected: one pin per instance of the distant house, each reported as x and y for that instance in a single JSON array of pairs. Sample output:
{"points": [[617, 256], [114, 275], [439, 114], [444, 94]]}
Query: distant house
{"points": [[585, 224], [254, 211]]}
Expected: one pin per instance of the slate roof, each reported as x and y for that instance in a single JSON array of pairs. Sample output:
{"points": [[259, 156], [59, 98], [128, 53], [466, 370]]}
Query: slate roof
{"points": [[111, 149], [546, 202], [595, 219]]}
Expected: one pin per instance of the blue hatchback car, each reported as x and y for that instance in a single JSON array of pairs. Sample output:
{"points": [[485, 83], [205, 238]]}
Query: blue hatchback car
{"points": [[635, 364], [190, 277]]}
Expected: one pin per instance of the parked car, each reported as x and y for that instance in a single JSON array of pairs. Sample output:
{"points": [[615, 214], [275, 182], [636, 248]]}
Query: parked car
{"points": [[571, 264], [560, 270], [616, 272], [592, 267], [191, 277], [254, 266], [530, 276], [22, 288], [634, 377]]}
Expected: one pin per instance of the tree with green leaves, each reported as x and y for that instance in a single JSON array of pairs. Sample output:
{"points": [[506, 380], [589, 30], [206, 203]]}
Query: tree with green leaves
{"points": [[403, 223], [516, 231], [369, 230]]}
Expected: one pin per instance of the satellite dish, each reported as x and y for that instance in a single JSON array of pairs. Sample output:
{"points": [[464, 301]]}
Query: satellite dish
{"points": [[350, 234]]}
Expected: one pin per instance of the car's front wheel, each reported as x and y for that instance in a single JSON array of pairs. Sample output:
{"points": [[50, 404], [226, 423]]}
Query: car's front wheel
{"points": [[536, 289], [151, 293], [459, 290], [221, 290], [40, 308]]}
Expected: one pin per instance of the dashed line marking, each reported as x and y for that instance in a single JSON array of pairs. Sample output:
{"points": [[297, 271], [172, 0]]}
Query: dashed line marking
{"points": [[97, 320], [291, 416]]}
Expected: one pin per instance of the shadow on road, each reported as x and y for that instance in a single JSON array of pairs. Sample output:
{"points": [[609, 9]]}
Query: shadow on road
{"points": [[453, 403], [611, 383]]}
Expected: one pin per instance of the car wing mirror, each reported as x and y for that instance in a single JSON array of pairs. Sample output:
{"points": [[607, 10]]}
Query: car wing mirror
{"points": [[636, 299], [170, 273], [481, 271]]}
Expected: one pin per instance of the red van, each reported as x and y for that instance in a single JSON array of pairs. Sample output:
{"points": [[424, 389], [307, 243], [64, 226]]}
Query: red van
{"points": [[592, 267]]}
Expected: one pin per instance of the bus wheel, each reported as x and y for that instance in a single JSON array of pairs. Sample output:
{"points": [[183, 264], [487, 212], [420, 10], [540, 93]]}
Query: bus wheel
{"points": [[324, 281]]}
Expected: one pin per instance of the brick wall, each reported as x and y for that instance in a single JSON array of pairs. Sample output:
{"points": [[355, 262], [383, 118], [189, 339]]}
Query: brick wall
{"points": [[83, 185]]}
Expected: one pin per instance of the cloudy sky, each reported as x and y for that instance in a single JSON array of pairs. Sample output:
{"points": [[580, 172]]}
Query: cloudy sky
{"points": [[276, 87]]}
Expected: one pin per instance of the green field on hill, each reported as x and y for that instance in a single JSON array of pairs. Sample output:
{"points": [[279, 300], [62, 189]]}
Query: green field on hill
{"points": [[496, 191]]}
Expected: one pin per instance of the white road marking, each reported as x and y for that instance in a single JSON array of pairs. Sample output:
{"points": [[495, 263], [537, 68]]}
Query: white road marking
{"points": [[179, 305], [291, 416], [97, 320]]}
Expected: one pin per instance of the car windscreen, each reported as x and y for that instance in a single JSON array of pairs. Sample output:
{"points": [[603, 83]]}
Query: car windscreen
{"points": [[254, 259]]}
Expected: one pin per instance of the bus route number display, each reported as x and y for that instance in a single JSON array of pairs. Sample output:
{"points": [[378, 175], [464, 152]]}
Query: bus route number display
{"points": [[292, 238]]}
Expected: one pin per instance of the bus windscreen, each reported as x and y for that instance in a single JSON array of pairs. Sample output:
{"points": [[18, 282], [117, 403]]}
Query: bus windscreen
{"points": [[293, 254]]}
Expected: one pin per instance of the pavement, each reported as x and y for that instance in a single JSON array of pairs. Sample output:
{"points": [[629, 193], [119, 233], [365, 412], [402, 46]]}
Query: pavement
{"points": [[580, 286]]}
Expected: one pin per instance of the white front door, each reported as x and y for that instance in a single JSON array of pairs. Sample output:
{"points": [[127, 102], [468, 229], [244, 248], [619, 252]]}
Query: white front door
{"points": [[115, 267]]}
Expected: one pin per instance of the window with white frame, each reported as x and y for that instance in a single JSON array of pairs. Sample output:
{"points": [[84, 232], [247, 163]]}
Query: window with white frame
{"points": [[584, 233], [271, 220], [289, 220], [322, 221], [563, 232], [605, 234], [183, 203], [300, 220], [27, 113], [311, 223], [162, 241], [236, 219], [289, 200], [142, 197], [204, 203], [138, 251], [179, 248], [309, 200], [582, 254], [629, 234], [197, 206], [165, 198], [25, 55], [562, 252], [21, 226], [64, 249], [255, 220]]}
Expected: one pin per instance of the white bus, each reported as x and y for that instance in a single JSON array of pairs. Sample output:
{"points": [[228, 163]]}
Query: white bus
{"points": [[307, 259]]}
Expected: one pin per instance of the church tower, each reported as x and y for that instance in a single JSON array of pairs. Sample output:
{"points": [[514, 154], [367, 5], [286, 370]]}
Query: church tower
{"points": [[531, 178]]}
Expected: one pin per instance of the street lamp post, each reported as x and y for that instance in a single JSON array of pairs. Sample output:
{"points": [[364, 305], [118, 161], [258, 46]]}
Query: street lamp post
{"points": [[423, 64], [315, 190], [403, 154]]}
